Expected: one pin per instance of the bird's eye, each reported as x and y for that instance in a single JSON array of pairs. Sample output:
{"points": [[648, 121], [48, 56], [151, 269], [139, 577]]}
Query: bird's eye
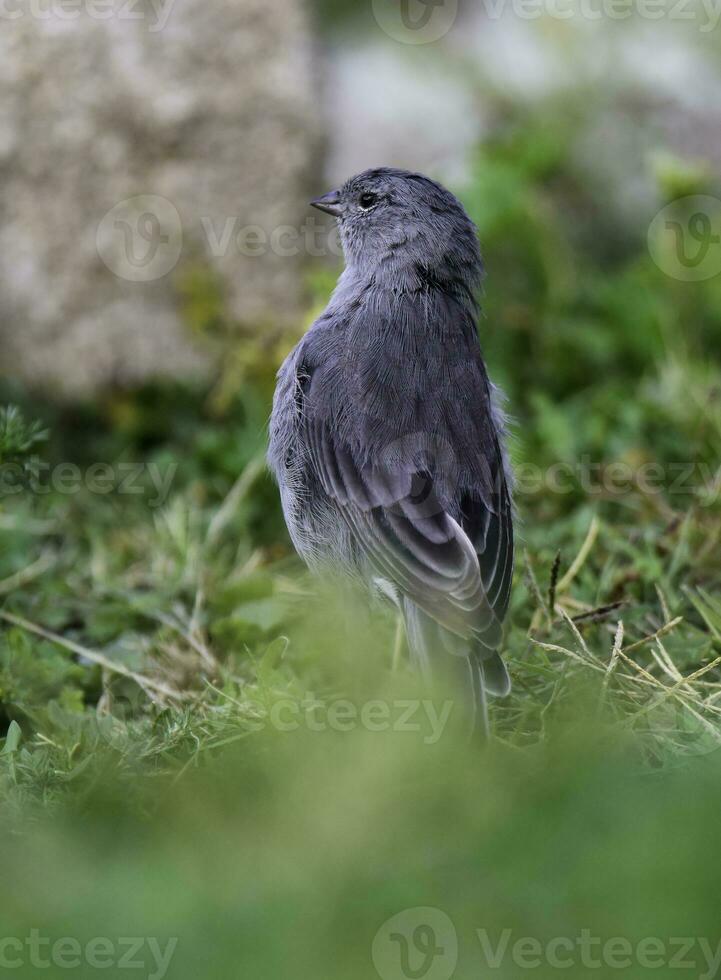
{"points": [[367, 200]]}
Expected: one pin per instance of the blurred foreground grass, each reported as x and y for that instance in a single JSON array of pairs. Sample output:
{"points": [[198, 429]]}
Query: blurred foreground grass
{"points": [[203, 743]]}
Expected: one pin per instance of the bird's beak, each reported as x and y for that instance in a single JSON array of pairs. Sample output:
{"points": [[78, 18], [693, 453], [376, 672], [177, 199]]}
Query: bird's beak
{"points": [[330, 203]]}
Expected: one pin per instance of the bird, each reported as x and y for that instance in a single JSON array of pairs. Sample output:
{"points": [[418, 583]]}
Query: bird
{"points": [[388, 440]]}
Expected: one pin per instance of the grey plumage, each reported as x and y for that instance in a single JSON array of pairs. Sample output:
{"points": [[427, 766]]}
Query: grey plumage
{"points": [[386, 437]]}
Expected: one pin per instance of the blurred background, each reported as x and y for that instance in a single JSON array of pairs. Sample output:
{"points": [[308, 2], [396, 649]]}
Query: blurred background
{"points": [[175, 764]]}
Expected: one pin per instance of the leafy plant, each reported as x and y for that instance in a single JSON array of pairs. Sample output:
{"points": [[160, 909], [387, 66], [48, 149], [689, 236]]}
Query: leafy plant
{"points": [[18, 437]]}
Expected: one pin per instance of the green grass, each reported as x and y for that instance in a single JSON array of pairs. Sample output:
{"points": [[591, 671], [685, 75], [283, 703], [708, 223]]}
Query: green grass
{"points": [[203, 742]]}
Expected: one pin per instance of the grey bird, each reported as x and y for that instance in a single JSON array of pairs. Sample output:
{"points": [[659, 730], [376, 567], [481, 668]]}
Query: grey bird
{"points": [[387, 437]]}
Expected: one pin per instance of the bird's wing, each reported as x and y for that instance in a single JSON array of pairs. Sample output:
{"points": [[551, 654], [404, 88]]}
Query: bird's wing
{"points": [[457, 571]]}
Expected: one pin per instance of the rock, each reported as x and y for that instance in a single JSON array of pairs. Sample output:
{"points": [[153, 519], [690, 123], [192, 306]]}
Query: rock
{"points": [[137, 141]]}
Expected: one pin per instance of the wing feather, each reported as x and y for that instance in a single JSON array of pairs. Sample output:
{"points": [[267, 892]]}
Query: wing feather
{"points": [[457, 571]]}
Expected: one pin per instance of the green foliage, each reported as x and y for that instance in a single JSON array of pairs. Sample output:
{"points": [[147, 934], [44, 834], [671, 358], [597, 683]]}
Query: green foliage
{"points": [[18, 437], [202, 303]]}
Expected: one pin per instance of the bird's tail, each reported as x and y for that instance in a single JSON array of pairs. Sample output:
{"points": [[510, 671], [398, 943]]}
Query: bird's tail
{"points": [[441, 655]]}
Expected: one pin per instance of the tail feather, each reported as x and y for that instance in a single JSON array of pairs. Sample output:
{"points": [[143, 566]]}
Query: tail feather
{"points": [[496, 676], [436, 651]]}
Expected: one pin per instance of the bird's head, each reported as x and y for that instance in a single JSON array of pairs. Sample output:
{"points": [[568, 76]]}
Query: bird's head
{"points": [[403, 227]]}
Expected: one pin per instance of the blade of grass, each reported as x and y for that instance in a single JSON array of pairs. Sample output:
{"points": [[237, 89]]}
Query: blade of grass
{"points": [[93, 656], [582, 555]]}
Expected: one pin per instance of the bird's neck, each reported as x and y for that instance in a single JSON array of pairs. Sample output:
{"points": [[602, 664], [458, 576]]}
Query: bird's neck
{"points": [[393, 280], [406, 310]]}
